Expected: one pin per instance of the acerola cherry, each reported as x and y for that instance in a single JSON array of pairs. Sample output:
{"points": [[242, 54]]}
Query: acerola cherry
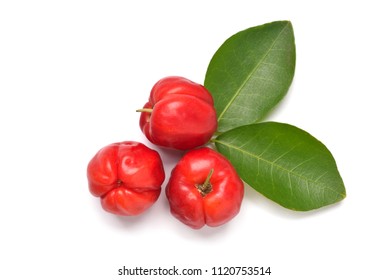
{"points": [[179, 114], [127, 176], [204, 189]]}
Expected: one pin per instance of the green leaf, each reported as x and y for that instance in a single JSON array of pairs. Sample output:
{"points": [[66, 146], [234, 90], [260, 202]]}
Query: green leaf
{"points": [[250, 73], [284, 163]]}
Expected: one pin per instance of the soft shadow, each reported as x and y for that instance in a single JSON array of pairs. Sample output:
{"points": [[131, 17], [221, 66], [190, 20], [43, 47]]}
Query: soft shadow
{"points": [[265, 204], [127, 222], [204, 233], [124, 222]]}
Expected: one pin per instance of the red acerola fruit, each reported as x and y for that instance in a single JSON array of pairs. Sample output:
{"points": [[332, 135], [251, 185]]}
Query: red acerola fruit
{"points": [[127, 176], [180, 114], [204, 189]]}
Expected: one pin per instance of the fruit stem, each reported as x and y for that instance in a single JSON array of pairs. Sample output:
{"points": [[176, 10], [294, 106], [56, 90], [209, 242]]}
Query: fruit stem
{"points": [[206, 187], [146, 110]]}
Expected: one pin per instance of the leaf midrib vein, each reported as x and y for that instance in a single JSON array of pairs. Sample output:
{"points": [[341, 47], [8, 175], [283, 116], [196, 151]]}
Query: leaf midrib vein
{"points": [[250, 75], [273, 164]]}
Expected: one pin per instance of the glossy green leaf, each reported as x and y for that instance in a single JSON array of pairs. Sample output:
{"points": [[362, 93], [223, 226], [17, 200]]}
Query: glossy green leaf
{"points": [[284, 163], [251, 72]]}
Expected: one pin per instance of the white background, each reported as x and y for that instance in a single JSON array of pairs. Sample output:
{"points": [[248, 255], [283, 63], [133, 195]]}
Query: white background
{"points": [[72, 74]]}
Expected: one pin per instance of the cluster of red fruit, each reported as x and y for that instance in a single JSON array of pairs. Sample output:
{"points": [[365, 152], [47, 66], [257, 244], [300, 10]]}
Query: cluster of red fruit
{"points": [[203, 189]]}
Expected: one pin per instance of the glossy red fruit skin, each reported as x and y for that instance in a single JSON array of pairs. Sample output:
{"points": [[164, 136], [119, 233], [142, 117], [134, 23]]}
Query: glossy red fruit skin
{"points": [[216, 208], [127, 176], [183, 115]]}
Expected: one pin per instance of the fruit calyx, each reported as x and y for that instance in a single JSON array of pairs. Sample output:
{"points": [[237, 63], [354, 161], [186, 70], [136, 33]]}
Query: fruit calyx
{"points": [[206, 187]]}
